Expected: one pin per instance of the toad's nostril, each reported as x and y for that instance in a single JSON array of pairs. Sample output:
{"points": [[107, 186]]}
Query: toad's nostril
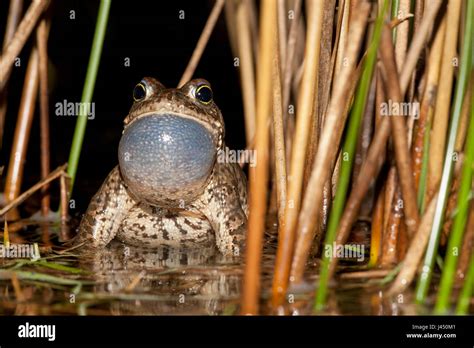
{"points": [[166, 157]]}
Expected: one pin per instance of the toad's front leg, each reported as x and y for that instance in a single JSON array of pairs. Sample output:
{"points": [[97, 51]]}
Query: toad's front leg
{"points": [[223, 207], [105, 213]]}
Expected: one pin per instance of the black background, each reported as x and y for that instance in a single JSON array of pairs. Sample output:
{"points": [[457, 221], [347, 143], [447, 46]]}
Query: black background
{"points": [[158, 43]]}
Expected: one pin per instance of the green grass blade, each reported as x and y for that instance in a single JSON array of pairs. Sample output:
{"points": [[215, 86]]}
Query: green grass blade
{"points": [[348, 151], [47, 264], [88, 90], [47, 278], [444, 189], [59, 267], [459, 225]]}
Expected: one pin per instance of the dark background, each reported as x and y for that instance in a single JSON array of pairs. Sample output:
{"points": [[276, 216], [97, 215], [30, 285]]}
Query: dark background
{"points": [[158, 43]]}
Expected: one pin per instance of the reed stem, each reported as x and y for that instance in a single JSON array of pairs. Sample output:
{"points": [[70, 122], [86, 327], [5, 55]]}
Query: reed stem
{"points": [[21, 137], [348, 150], [42, 41], [279, 134], [305, 112], [88, 90], [460, 220], [443, 97], [19, 39], [259, 173], [202, 42], [399, 135], [14, 16], [432, 249], [247, 75]]}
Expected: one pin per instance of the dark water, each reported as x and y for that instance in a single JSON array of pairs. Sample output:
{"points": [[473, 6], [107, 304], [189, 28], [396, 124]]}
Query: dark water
{"points": [[125, 280]]}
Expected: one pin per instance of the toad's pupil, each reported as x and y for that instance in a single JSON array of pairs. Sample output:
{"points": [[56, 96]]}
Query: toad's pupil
{"points": [[139, 92], [204, 94]]}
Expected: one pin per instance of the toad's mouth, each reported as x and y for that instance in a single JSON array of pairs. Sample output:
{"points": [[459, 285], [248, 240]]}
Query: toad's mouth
{"points": [[161, 113], [166, 157]]}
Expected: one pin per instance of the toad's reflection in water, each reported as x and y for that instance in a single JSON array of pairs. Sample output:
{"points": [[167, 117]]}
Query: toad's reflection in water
{"points": [[165, 280]]}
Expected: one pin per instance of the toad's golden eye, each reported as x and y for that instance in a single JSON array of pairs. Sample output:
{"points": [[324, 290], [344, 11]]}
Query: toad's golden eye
{"points": [[203, 93], [139, 92]]}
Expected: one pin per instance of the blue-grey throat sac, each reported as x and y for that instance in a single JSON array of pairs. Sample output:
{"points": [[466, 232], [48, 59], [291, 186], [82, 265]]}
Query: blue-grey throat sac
{"points": [[166, 158]]}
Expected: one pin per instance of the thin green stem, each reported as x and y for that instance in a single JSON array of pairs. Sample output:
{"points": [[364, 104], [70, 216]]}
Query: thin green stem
{"points": [[88, 91], [444, 189], [348, 150], [459, 225]]}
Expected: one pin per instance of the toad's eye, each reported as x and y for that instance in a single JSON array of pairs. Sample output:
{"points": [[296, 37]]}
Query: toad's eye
{"points": [[139, 92], [203, 93]]}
